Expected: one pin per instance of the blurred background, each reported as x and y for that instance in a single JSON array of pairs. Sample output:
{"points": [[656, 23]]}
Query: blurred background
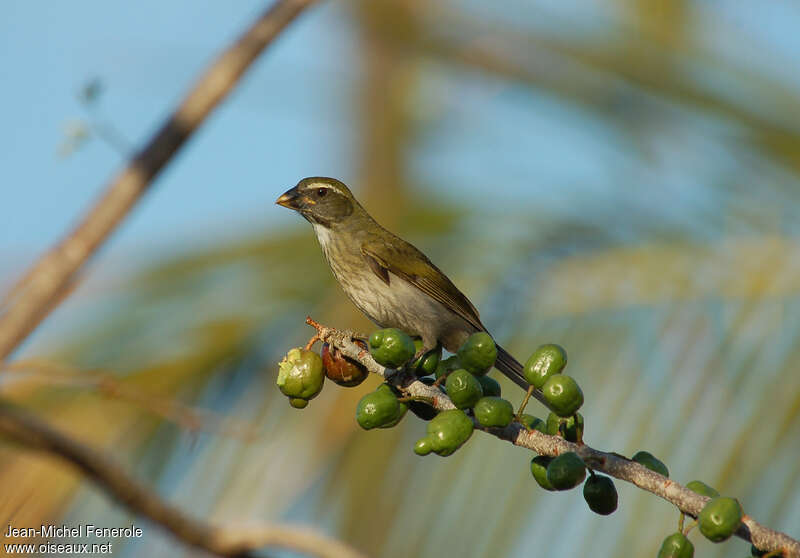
{"points": [[621, 177]]}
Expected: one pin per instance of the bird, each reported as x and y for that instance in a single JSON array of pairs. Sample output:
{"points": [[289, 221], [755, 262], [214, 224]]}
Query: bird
{"points": [[389, 280]]}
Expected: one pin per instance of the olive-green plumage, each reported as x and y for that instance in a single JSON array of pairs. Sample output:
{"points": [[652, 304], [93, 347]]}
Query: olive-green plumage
{"points": [[388, 279]]}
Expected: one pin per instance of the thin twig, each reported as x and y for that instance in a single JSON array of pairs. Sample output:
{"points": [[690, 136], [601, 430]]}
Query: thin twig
{"points": [[28, 430], [311, 342], [612, 464], [524, 403], [31, 299], [110, 386]]}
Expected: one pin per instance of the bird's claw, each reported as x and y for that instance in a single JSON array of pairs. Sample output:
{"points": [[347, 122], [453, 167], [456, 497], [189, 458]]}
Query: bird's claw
{"points": [[392, 376]]}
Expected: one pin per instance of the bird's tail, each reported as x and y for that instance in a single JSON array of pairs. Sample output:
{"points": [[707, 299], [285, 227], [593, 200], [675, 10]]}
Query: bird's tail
{"points": [[512, 370]]}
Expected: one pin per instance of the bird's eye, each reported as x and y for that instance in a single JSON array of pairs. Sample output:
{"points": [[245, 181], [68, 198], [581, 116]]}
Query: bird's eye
{"points": [[321, 192]]}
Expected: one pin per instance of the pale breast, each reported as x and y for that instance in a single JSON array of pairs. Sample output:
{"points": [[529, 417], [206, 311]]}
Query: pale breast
{"points": [[398, 304]]}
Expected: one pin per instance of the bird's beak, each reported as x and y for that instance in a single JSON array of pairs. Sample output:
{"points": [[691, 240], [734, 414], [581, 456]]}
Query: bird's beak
{"points": [[290, 199]]}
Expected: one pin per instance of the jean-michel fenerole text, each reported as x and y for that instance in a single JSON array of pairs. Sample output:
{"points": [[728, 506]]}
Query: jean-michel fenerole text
{"points": [[64, 531]]}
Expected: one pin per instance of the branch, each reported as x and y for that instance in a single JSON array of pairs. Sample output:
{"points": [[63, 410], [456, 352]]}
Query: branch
{"points": [[110, 386], [39, 290], [24, 428], [612, 464]]}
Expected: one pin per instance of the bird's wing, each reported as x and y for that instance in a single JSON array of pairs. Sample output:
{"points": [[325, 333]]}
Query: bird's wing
{"points": [[408, 263]]}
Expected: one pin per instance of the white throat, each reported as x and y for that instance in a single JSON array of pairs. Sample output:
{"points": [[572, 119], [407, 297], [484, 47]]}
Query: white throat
{"points": [[323, 236]]}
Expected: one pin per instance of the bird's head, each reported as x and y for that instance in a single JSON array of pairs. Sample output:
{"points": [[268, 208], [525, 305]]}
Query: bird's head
{"points": [[322, 201]]}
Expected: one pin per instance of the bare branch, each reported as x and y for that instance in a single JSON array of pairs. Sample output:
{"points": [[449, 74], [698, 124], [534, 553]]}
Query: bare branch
{"points": [[38, 291], [109, 385], [24, 428], [612, 464]]}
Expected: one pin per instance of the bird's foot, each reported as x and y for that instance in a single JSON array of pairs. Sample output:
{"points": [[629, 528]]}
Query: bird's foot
{"points": [[418, 355], [399, 377], [392, 376]]}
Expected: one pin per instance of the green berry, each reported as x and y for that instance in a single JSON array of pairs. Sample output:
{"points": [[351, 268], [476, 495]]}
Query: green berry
{"points": [[390, 391], [720, 518], [562, 394], [448, 431], [571, 428], [534, 423], [298, 403], [463, 389], [301, 375], [376, 337], [380, 409], [544, 362], [566, 471], [423, 446], [573, 431], [446, 366], [391, 347], [676, 546], [539, 471], [702, 489], [600, 493], [493, 411], [553, 422], [426, 364], [651, 462], [478, 353], [489, 385]]}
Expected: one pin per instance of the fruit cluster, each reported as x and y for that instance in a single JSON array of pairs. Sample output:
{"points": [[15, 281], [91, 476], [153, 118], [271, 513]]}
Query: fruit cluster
{"points": [[477, 398], [302, 372]]}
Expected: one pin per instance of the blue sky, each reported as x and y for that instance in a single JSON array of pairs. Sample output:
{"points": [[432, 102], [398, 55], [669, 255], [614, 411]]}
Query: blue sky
{"points": [[253, 147]]}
